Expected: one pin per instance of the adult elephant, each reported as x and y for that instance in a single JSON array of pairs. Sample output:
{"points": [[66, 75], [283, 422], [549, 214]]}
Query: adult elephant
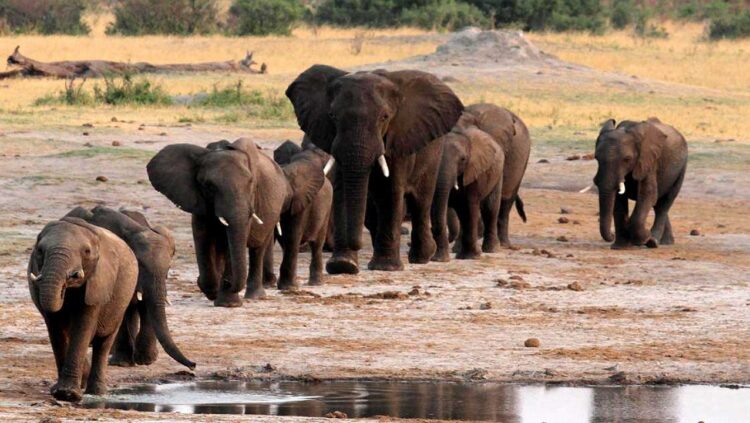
{"points": [[389, 118], [232, 191], [641, 161], [145, 320]]}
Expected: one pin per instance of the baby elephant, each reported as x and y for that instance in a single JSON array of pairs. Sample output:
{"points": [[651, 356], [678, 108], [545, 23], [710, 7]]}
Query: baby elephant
{"points": [[145, 320], [641, 161], [81, 279], [307, 211]]}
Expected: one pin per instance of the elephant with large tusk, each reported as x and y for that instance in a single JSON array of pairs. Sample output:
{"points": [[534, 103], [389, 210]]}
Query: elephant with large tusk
{"points": [[642, 161]]}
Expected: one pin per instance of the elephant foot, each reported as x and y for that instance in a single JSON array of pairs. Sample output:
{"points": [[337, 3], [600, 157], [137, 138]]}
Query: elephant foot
{"points": [[489, 246], [287, 285], [228, 299], [146, 356], [98, 388], [441, 256], [422, 253], [666, 239], [209, 292], [317, 281], [255, 294], [269, 281], [65, 393], [623, 246], [388, 264], [468, 254], [121, 360], [651, 243], [342, 264]]}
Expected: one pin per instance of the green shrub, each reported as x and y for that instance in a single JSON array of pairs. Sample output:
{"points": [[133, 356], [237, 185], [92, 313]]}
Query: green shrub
{"points": [[542, 15], [730, 26], [72, 95], [445, 14], [179, 17], [370, 13], [645, 28], [622, 14], [256, 103], [128, 91], [43, 16], [263, 17]]}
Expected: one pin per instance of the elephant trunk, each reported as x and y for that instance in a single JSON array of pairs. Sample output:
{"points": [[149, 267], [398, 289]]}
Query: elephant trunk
{"points": [[237, 233], [606, 208], [355, 200], [155, 301], [51, 283]]}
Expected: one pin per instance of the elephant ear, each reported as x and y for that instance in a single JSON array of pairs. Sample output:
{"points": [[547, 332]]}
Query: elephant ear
{"points": [[306, 179], [100, 282], [247, 146], [484, 153], [81, 213], [650, 141], [136, 216], [283, 153], [427, 111], [309, 96], [173, 173], [608, 125]]}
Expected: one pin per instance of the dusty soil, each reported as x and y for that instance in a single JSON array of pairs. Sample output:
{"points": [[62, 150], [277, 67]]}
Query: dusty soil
{"points": [[673, 314]]}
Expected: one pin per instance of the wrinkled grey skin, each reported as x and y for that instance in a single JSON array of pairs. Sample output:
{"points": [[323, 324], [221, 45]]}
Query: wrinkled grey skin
{"points": [[486, 155], [233, 182], [145, 320], [81, 279], [306, 217], [359, 117], [651, 159]]}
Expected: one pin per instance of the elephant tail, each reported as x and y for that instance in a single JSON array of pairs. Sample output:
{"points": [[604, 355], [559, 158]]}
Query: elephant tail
{"points": [[519, 208]]}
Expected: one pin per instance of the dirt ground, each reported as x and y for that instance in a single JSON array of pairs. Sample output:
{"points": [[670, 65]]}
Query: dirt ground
{"points": [[670, 315]]}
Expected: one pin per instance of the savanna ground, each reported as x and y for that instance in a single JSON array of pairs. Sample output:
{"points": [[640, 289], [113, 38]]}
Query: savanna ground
{"points": [[674, 314]]}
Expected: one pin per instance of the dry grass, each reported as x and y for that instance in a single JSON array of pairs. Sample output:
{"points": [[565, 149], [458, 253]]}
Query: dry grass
{"points": [[719, 111]]}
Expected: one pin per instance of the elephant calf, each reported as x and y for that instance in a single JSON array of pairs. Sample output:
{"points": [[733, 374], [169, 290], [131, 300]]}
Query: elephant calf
{"points": [[484, 160], [641, 161], [145, 320], [306, 218], [81, 278]]}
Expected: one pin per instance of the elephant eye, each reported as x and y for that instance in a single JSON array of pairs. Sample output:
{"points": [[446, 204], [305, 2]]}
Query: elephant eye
{"points": [[628, 159], [87, 251]]}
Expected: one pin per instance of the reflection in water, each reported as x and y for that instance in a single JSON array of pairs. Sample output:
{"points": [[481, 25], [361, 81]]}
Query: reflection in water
{"points": [[439, 400]]}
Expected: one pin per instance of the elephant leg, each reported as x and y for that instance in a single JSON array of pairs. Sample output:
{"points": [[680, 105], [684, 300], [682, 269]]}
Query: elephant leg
{"points": [[490, 209], [210, 251], [620, 212], [454, 226], [389, 203], [124, 350], [468, 214], [146, 347], [255, 290], [269, 276], [662, 228], [667, 237], [316, 262], [68, 387], [59, 336], [423, 246], [290, 243], [440, 231], [97, 381], [503, 220]]}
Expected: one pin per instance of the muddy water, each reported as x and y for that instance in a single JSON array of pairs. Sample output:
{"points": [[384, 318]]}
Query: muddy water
{"points": [[494, 402]]}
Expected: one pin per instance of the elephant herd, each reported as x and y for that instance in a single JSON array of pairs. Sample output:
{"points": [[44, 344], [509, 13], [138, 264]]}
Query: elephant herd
{"points": [[378, 146]]}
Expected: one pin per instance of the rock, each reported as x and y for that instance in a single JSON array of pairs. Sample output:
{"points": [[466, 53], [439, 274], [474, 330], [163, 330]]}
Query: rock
{"points": [[695, 232], [102, 178], [336, 415], [414, 291], [116, 143], [547, 253], [85, 134], [565, 210], [520, 285], [575, 286], [388, 295], [573, 157], [563, 220], [142, 182], [114, 119], [532, 343], [485, 306], [576, 222], [163, 134], [501, 283], [543, 161], [562, 238]]}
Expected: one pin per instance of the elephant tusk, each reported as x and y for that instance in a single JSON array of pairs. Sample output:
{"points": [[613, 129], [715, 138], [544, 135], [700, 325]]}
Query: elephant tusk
{"points": [[455, 185], [587, 189], [278, 228], [33, 277], [384, 166], [257, 219], [329, 165], [622, 188], [139, 296], [223, 221], [166, 300]]}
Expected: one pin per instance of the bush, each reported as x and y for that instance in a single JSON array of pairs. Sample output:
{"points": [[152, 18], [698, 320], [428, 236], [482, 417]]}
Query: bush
{"points": [[263, 17], [622, 14], [645, 28], [370, 13], [542, 15], [179, 17], [445, 14], [258, 104], [125, 91], [43, 16], [730, 26]]}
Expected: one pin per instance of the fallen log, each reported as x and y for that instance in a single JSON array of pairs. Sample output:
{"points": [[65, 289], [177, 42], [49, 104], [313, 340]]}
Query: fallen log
{"points": [[28, 67]]}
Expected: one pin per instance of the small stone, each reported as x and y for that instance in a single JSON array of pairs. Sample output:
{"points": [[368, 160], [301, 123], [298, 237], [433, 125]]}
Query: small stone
{"points": [[501, 283], [163, 134], [485, 306], [562, 238], [142, 182], [565, 210], [543, 161], [85, 134], [563, 220], [575, 286], [721, 225], [116, 143], [532, 343], [576, 222], [695, 232], [102, 178], [520, 285], [573, 157], [336, 415], [548, 253], [114, 119], [414, 291]]}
